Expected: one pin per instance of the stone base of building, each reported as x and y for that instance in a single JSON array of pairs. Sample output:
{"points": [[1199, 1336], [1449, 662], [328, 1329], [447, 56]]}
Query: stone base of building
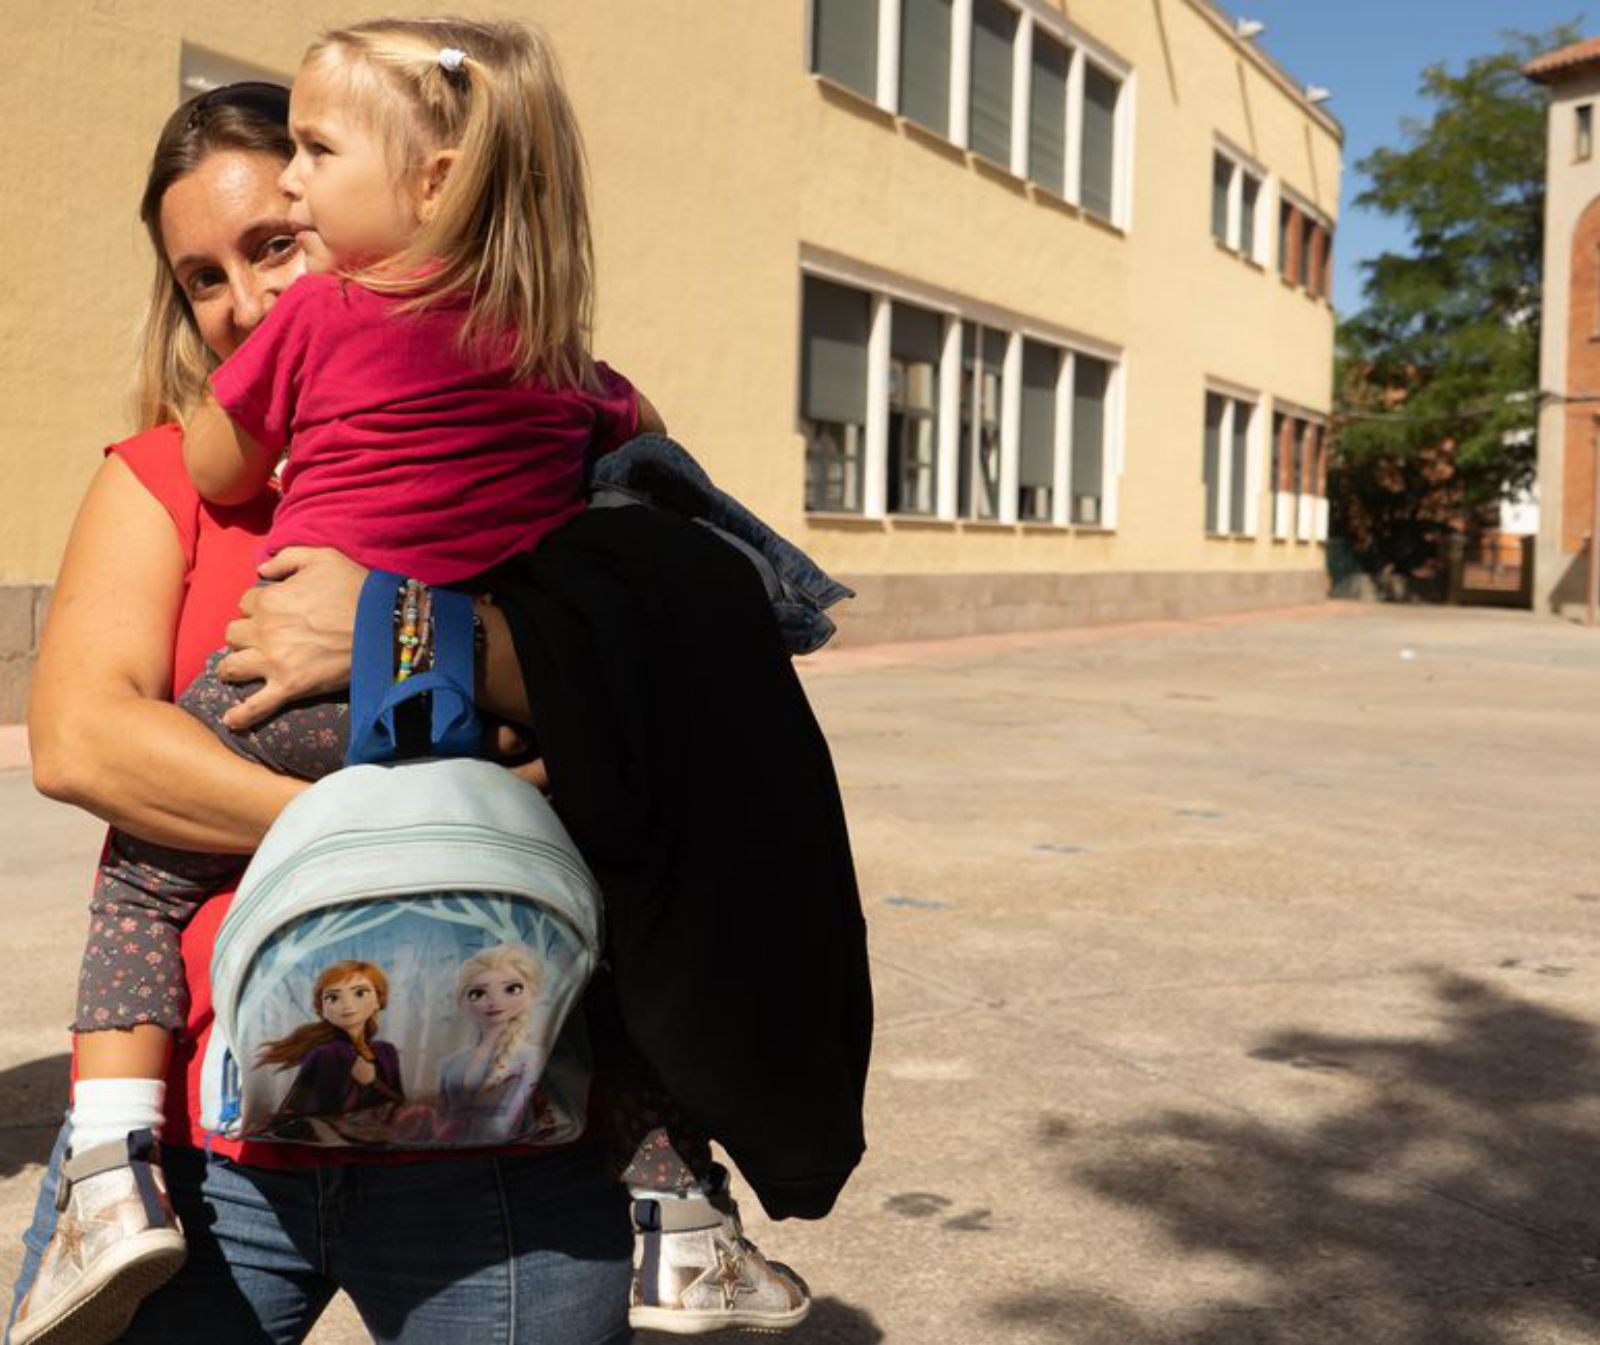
{"points": [[946, 606], [22, 609]]}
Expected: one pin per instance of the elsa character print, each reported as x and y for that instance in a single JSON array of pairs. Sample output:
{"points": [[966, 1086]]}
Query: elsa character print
{"points": [[343, 1068], [489, 1092]]}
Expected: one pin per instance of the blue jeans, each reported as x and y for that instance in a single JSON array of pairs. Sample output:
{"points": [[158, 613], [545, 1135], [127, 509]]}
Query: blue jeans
{"points": [[463, 1250]]}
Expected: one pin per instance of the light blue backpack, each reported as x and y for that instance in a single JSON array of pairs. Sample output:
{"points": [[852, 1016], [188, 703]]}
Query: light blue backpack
{"points": [[399, 963]]}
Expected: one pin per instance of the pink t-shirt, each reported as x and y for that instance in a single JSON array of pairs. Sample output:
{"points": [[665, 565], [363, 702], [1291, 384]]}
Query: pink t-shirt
{"points": [[404, 452]]}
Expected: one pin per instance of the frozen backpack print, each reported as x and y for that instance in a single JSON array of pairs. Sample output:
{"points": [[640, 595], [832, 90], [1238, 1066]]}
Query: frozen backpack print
{"points": [[398, 966]]}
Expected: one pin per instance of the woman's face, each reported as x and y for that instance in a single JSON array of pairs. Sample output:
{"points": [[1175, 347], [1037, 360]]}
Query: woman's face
{"points": [[229, 242], [349, 1004], [495, 997]]}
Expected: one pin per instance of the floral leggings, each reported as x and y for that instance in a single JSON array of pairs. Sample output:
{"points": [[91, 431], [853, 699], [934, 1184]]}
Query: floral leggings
{"points": [[144, 895]]}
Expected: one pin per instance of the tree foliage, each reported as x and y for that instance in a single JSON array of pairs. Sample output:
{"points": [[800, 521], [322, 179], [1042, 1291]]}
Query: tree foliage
{"points": [[1437, 380]]}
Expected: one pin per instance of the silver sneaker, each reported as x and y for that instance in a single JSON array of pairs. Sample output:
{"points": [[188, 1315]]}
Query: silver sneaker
{"points": [[695, 1272], [116, 1241]]}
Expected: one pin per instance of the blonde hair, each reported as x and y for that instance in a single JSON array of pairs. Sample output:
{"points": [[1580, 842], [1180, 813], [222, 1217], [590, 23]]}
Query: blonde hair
{"points": [[173, 361], [510, 229], [519, 959], [300, 1043]]}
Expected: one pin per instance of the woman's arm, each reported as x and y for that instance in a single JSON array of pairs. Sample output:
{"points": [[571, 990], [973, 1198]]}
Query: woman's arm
{"points": [[102, 733], [226, 465], [294, 637]]}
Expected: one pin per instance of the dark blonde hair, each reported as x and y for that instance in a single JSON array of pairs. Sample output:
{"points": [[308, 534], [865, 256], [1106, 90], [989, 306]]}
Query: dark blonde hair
{"points": [[300, 1043], [174, 362], [510, 230]]}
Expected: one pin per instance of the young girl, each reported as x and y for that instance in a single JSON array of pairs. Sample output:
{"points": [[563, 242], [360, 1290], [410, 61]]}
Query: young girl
{"points": [[434, 392]]}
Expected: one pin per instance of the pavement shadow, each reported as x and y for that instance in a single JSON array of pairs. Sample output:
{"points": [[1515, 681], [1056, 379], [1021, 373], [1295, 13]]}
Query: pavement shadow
{"points": [[1462, 1185], [33, 1100]]}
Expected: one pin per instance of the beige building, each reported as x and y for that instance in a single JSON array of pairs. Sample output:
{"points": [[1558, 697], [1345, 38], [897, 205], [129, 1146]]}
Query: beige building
{"points": [[1569, 354], [1013, 312]]}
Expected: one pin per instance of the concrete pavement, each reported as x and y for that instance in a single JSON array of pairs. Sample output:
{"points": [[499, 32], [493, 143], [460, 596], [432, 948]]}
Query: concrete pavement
{"points": [[1237, 983]]}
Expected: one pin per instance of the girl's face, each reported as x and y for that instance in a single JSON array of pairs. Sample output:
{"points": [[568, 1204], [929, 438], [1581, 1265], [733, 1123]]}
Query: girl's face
{"points": [[226, 231], [496, 997], [340, 181], [349, 1004]]}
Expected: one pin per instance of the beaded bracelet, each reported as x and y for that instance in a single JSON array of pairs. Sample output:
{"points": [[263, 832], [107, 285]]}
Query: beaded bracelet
{"points": [[413, 612]]}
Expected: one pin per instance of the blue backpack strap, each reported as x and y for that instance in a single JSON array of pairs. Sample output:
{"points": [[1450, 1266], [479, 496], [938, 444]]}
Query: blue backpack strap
{"points": [[454, 729], [372, 671]]}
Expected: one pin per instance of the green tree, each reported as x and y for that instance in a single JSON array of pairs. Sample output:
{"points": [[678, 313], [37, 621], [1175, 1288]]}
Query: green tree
{"points": [[1436, 394]]}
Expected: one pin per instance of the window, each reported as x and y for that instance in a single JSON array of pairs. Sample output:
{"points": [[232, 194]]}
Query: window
{"points": [[1047, 114], [983, 355], [1584, 139], [833, 384], [1298, 461], [844, 43], [1288, 233], [1096, 191], [1091, 381], [1303, 255], [925, 63], [1036, 470], [1235, 199], [1226, 466], [1221, 187], [908, 409], [1211, 470], [1249, 203], [917, 337], [994, 35]]}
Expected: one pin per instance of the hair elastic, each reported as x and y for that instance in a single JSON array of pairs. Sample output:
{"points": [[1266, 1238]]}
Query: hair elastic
{"points": [[452, 59]]}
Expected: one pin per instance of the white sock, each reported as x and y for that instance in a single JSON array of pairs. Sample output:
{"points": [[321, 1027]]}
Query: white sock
{"points": [[107, 1110]]}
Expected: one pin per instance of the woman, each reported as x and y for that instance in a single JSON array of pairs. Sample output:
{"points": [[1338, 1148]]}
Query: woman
{"points": [[511, 1246]]}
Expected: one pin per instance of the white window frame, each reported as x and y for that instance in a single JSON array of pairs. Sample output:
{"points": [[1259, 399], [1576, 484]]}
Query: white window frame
{"points": [[886, 288], [1260, 428], [1032, 15], [1241, 164]]}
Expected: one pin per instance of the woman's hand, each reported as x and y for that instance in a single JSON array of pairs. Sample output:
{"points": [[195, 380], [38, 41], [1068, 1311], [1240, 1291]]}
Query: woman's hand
{"points": [[295, 634]]}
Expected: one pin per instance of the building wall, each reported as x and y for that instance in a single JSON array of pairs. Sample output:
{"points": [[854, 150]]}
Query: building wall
{"points": [[722, 167], [1568, 358]]}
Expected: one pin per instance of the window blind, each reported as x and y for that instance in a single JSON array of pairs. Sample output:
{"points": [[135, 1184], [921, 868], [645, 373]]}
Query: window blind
{"points": [[994, 30], [1100, 94], [1047, 116], [1213, 459], [1040, 366], [1238, 483], [1090, 378], [925, 63], [834, 378], [844, 43], [1221, 178], [1250, 193]]}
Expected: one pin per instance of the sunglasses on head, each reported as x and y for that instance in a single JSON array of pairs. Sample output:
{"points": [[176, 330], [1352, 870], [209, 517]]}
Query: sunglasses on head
{"points": [[269, 101]]}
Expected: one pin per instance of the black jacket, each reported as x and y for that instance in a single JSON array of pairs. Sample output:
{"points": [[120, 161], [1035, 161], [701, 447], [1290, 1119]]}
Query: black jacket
{"points": [[686, 762]]}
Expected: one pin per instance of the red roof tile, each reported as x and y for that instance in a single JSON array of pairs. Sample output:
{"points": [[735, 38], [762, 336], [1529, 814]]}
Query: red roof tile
{"points": [[1564, 62]]}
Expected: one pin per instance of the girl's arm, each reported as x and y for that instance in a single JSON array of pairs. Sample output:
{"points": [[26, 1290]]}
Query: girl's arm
{"points": [[102, 733], [650, 421], [226, 465]]}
